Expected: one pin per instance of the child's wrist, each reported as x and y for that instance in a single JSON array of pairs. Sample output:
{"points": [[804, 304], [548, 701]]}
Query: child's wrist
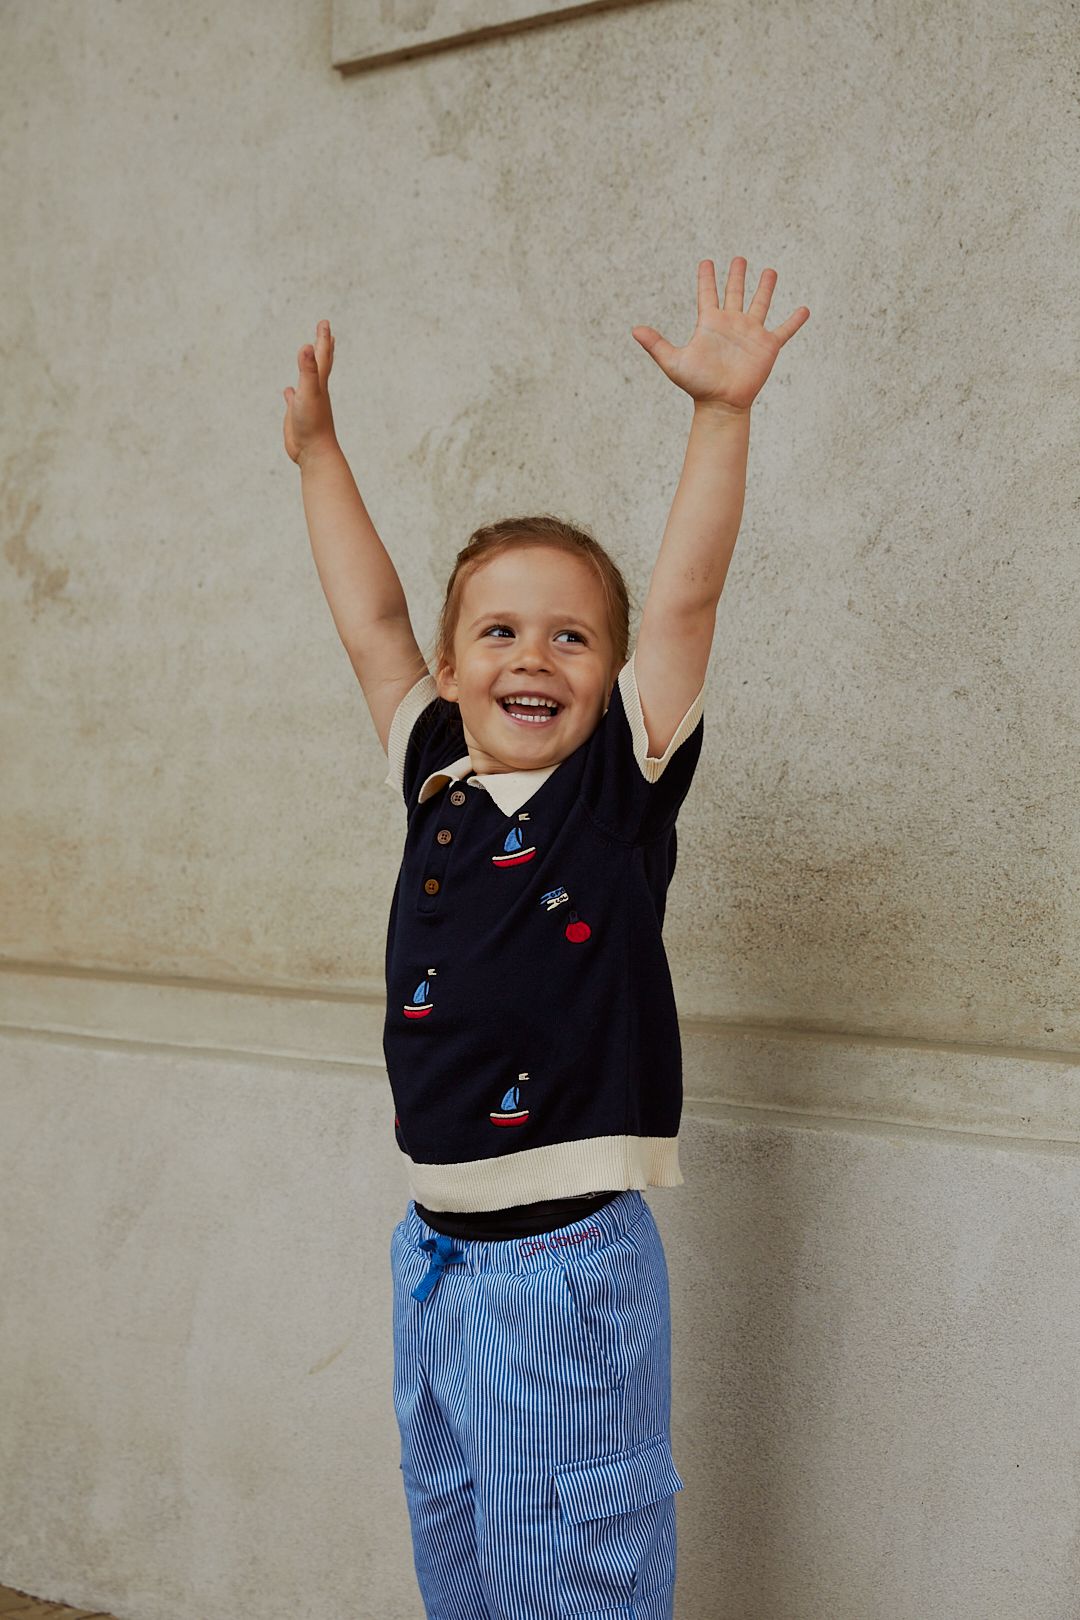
{"points": [[318, 450], [713, 408]]}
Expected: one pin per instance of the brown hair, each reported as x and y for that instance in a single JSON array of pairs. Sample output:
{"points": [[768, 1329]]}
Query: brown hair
{"points": [[544, 530]]}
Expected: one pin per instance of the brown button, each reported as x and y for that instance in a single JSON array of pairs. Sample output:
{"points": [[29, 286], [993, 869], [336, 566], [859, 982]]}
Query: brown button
{"points": [[431, 885], [444, 835], [457, 797]]}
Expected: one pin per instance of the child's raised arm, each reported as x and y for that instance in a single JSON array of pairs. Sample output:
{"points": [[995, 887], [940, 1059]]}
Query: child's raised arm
{"points": [[359, 580], [723, 368]]}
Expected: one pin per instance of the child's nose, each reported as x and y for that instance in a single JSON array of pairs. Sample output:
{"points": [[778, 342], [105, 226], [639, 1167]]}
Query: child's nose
{"points": [[531, 651]]}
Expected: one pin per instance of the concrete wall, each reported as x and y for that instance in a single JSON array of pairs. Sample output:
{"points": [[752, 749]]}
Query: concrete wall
{"points": [[873, 930]]}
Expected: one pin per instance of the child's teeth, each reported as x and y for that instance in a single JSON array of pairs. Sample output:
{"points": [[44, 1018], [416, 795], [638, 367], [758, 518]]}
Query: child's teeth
{"points": [[539, 714]]}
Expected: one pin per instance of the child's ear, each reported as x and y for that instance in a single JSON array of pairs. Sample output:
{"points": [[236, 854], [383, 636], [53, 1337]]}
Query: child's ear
{"points": [[446, 682]]}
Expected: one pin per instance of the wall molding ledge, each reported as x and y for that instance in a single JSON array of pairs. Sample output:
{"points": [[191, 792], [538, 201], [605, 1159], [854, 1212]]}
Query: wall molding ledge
{"points": [[884, 1081]]}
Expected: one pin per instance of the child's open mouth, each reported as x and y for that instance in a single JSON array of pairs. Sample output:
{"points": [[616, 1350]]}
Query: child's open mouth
{"points": [[529, 714]]}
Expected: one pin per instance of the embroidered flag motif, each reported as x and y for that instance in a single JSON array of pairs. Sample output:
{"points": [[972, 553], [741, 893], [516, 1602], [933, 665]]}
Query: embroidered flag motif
{"points": [[576, 930]]}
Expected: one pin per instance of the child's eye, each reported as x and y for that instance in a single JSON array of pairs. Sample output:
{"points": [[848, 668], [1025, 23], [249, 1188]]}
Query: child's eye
{"points": [[497, 629]]}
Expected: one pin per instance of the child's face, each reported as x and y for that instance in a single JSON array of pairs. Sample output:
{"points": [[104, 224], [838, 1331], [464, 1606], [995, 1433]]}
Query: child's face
{"points": [[532, 620]]}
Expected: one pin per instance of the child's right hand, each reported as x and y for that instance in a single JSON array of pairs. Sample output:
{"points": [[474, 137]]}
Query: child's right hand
{"points": [[309, 422]]}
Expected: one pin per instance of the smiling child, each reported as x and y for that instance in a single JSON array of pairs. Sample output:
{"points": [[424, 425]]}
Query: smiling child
{"points": [[531, 1036]]}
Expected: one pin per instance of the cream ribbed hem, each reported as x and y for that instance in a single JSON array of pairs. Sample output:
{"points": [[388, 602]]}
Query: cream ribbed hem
{"points": [[406, 715], [599, 1164], [652, 766]]}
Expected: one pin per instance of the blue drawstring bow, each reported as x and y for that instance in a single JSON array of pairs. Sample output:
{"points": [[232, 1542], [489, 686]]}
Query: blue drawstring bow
{"points": [[442, 1253]]}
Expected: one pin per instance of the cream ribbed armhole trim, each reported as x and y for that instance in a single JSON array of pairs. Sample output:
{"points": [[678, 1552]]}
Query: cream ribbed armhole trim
{"points": [[652, 768], [406, 715]]}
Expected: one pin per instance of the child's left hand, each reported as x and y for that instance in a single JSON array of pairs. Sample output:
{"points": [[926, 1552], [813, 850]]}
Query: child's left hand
{"points": [[730, 355]]}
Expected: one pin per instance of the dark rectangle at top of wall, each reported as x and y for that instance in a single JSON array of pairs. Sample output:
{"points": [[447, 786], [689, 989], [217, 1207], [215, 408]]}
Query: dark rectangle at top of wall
{"points": [[365, 35]]}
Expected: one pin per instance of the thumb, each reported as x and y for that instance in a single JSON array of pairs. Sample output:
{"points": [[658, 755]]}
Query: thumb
{"points": [[661, 350]]}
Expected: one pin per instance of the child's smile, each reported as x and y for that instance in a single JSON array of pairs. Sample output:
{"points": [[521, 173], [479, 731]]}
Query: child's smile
{"points": [[551, 651], [530, 710]]}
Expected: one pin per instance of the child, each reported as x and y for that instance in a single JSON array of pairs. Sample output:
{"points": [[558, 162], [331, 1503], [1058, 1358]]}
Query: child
{"points": [[531, 1038]]}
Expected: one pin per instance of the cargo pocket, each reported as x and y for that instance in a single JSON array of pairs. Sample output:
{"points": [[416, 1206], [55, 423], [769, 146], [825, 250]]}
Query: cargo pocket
{"points": [[616, 1531]]}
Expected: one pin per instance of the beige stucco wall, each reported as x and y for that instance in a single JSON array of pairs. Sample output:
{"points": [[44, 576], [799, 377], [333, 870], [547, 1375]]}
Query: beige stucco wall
{"points": [[873, 929]]}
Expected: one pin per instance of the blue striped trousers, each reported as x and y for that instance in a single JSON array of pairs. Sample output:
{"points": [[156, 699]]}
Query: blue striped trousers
{"points": [[532, 1390]]}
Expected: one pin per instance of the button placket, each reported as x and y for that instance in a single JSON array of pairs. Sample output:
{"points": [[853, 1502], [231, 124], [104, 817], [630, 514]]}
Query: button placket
{"points": [[436, 875]]}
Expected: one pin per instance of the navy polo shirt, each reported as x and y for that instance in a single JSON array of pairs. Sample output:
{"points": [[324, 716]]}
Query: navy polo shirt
{"points": [[531, 1037]]}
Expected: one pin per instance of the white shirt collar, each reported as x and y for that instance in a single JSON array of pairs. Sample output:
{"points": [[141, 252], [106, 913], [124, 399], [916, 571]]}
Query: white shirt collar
{"points": [[509, 789]]}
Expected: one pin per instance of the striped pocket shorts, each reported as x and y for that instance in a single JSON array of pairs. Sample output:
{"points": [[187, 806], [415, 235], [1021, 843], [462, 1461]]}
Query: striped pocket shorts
{"points": [[532, 1389]]}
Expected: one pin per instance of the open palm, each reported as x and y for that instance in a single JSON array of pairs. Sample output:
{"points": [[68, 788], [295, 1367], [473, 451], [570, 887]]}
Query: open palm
{"points": [[730, 355]]}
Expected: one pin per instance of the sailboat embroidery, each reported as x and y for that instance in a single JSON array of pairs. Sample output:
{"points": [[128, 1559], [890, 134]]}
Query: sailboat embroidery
{"points": [[509, 1112], [515, 850], [421, 999]]}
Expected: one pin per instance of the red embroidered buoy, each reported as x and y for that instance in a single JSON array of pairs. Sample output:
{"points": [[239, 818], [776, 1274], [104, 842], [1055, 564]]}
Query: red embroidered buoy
{"points": [[576, 930]]}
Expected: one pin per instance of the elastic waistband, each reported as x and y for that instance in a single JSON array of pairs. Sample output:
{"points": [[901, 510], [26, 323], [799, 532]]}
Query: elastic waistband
{"points": [[532, 1253]]}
